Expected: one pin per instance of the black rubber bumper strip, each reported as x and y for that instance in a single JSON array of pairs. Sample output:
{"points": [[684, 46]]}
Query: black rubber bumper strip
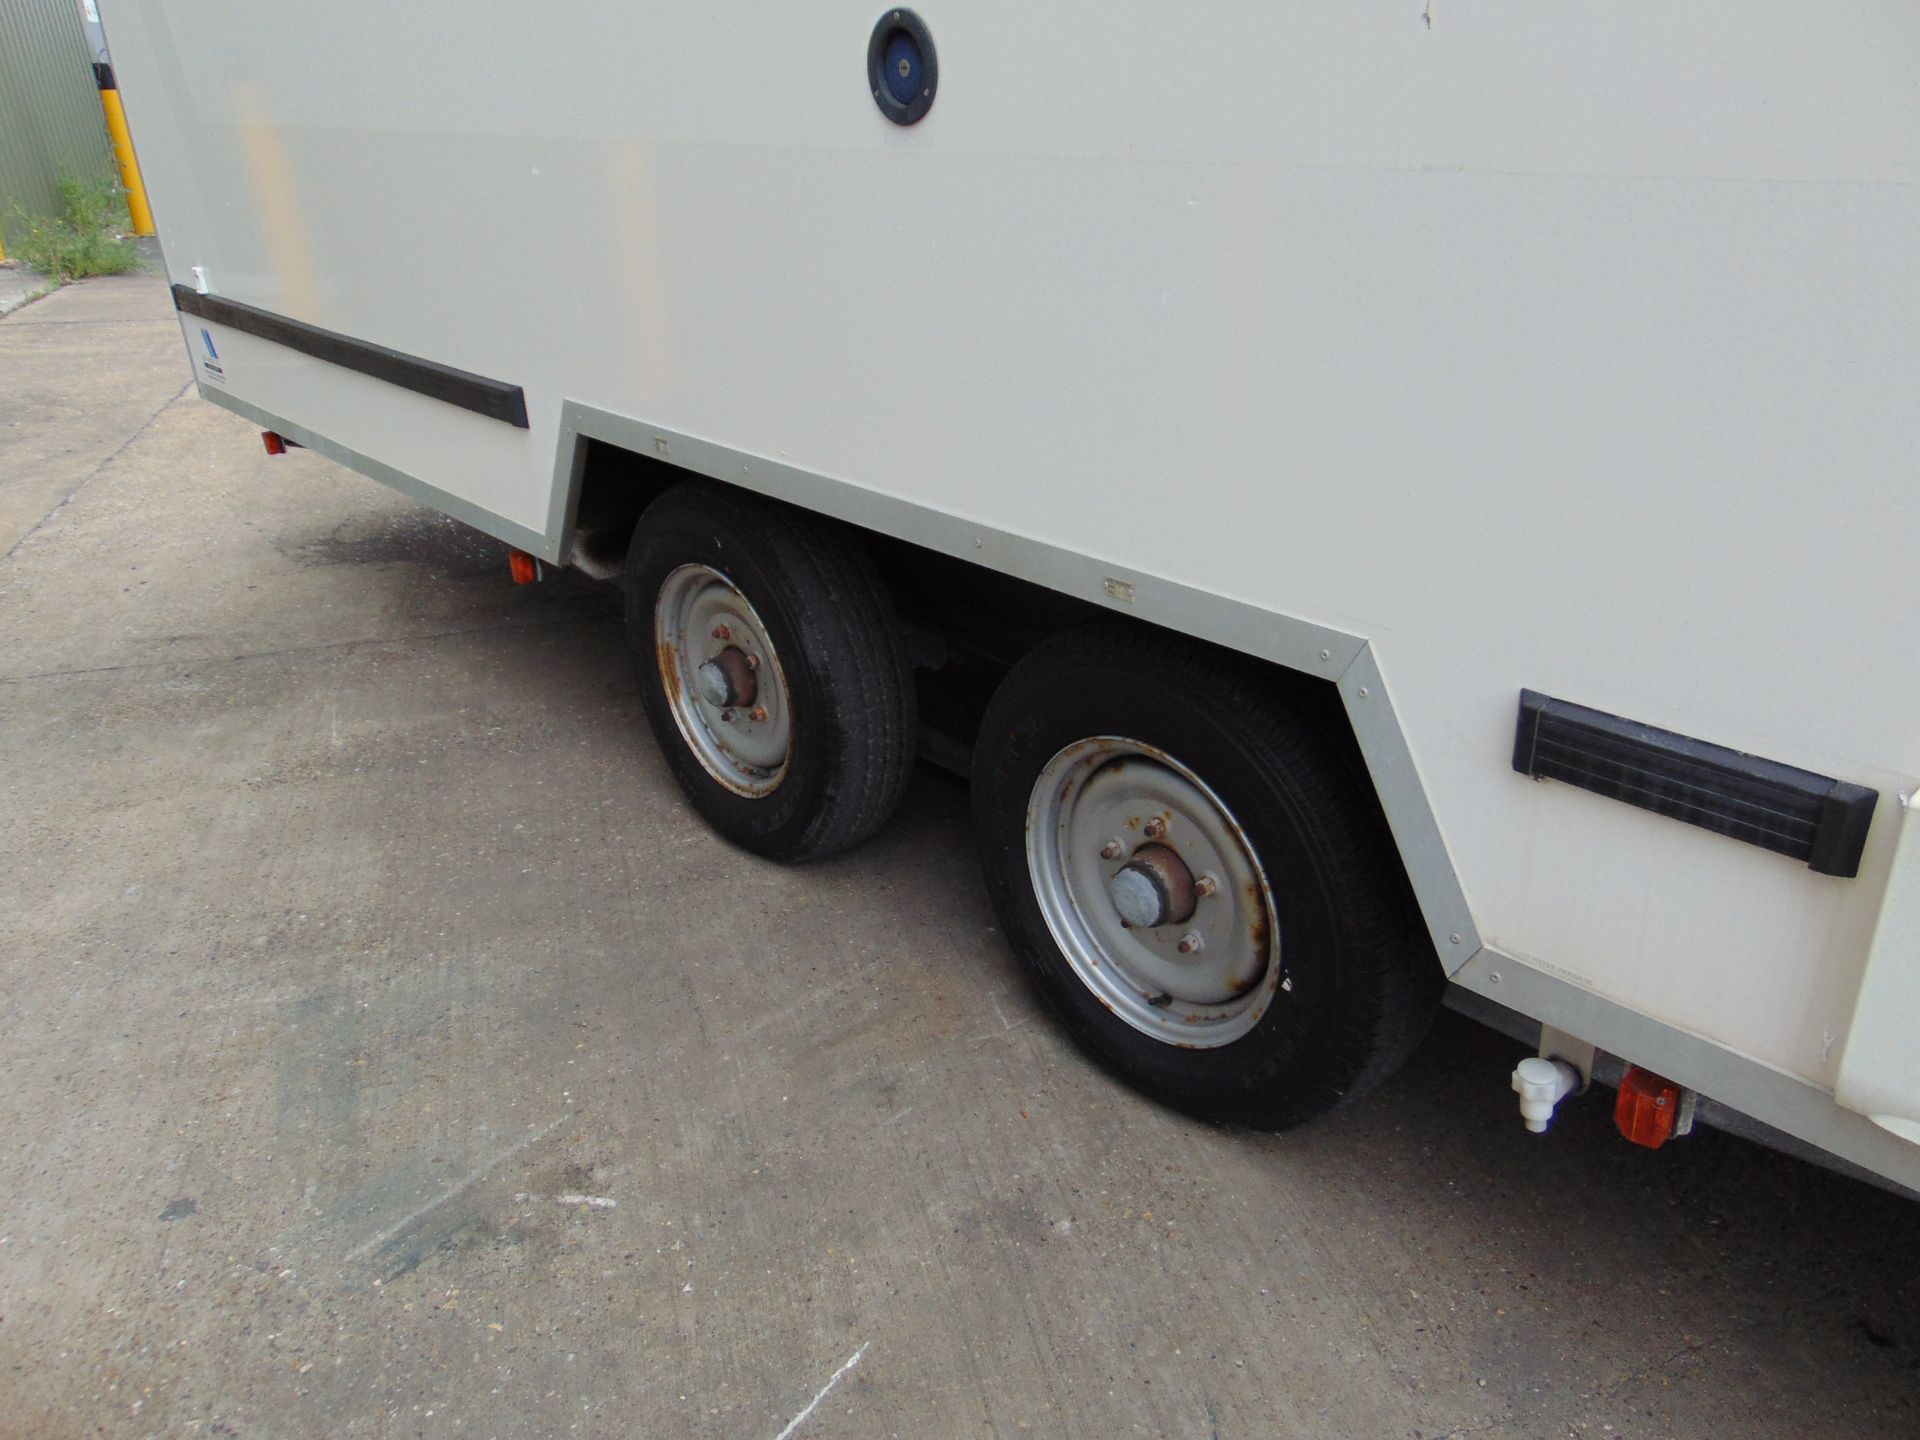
{"points": [[1793, 812], [495, 399]]}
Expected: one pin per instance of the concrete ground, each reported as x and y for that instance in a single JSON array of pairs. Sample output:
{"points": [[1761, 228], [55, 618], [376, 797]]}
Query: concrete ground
{"points": [[18, 285], [388, 1051]]}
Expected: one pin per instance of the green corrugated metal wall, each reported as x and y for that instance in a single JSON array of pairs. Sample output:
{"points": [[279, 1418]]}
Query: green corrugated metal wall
{"points": [[50, 117]]}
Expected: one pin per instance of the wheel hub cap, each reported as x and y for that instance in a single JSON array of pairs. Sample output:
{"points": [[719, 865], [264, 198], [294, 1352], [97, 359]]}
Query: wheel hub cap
{"points": [[1138, 900], [1154, 888], [726, 679]]}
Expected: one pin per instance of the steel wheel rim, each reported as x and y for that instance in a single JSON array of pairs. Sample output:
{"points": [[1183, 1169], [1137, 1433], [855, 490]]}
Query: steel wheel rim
{"points": [[745, 744], [1108, 790]]}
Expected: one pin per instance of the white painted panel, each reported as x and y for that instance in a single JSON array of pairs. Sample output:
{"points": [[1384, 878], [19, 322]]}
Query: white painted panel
{"points": [[1880, 1069]]}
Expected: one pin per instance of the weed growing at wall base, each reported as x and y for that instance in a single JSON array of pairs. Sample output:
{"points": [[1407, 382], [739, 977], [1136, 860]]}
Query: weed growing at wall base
{"points": [[87, 239]]}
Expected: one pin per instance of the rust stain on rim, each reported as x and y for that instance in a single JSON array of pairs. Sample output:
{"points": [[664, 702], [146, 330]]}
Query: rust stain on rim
{"points": [[667, 656]]}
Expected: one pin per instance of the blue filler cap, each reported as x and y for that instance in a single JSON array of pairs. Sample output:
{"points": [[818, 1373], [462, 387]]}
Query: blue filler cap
{"points": [[903, 68]]}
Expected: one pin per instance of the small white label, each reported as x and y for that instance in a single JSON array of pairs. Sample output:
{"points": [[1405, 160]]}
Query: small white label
{"points": [[211, 370], [1121, 590]]}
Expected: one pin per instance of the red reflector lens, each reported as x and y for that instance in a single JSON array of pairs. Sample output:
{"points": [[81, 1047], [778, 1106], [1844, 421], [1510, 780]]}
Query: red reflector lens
{"points": [[274, 443], [1648, 1108], [525, 568]]}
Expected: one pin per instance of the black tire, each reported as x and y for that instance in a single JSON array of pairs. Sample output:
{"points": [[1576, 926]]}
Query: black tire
{"points": [[1361, 979], [840, 652]]}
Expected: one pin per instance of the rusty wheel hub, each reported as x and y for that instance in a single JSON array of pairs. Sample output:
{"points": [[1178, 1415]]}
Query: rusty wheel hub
{"points": [[1153, 892], [1154, 888], [723, 680], [727, 679]]}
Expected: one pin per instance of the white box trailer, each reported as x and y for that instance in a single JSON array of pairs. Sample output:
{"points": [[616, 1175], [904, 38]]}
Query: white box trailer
{"points": [[1432, 482]]}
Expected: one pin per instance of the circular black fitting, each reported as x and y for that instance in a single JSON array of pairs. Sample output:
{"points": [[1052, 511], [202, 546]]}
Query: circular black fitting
{"points": [[902, 70]]}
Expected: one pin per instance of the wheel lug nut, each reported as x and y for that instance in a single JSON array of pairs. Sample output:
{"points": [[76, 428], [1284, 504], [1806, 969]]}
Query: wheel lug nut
{"points": [[753, 662], [759, 713], [1190, 942], [1156, 828], [1205, 886], [727, 715], [721, 632], [1110, 850]]}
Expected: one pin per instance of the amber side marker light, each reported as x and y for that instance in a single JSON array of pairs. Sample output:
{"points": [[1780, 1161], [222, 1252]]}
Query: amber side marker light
{"points": [[524, 567], [276, 443], [1649, 1109]]}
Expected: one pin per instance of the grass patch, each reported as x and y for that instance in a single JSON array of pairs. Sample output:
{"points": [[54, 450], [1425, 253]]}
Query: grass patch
{"points": [[86, 239]]}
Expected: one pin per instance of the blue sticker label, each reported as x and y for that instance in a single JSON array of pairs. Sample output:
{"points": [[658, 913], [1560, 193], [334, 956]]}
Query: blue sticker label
{"points": [[206, 339]]}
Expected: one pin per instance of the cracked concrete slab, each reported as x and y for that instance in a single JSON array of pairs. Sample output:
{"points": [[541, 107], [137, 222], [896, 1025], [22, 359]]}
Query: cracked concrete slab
{"points": [[86, 367], [389, 1050], [18, 286]]}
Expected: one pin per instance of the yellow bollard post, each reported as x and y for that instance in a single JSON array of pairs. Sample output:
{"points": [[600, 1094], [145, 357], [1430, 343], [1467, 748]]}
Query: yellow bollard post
{"points": [[137, 208]]}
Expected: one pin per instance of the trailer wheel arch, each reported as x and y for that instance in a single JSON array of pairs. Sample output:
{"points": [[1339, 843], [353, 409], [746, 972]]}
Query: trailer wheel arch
{"points": [[610, 467]]}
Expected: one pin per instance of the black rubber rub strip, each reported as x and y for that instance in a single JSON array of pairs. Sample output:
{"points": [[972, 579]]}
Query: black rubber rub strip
{"points": [[495, 399], [1793, 812]]}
